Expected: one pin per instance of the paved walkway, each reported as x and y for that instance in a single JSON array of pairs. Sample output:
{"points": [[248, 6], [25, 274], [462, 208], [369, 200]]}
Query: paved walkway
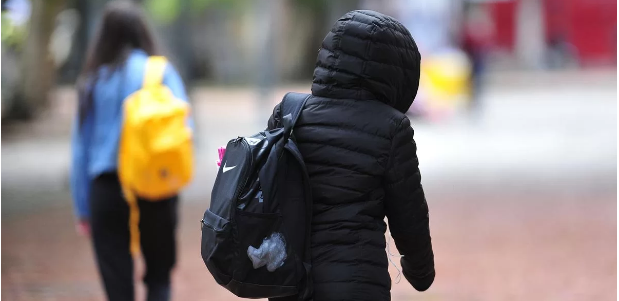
{"points": [[496, 249], [523, 201]]}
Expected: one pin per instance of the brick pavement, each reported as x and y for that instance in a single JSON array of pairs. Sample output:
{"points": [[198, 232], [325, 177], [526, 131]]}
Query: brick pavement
{"points": [[485, 250]]}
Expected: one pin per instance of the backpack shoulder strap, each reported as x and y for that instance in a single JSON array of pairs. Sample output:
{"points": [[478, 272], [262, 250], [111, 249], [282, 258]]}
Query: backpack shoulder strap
{"points": [[153, 73], [291, 108]]}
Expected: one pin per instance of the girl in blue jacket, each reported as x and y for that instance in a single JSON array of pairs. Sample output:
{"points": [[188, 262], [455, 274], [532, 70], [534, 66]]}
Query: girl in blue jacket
{"points": [[113, 70]]}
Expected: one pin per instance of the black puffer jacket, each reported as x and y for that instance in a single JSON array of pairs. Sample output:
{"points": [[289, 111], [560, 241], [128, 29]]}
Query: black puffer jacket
{"points": [[361, 157]]}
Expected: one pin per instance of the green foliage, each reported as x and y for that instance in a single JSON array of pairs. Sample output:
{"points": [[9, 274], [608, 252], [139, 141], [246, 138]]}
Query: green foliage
{"points": [[163, 11], [313, 4], [200, 5], [166, 11], [12, 36]]}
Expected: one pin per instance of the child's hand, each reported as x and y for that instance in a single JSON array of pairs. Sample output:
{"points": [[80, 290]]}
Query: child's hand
{"points": [[83, 227]]}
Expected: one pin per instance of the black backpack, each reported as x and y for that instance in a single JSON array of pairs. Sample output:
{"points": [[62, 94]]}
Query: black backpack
{"points": [[256, 233]]}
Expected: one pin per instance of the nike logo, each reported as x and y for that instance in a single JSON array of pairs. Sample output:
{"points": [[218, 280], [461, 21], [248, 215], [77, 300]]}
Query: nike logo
{"points": [[226, 169]]}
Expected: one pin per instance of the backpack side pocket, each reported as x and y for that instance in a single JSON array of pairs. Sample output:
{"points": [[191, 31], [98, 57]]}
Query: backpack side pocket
{"points": [[217, 243]]}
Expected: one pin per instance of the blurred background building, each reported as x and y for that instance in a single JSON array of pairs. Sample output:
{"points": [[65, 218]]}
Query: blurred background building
{"points": [[515, 121], [235, 42]]}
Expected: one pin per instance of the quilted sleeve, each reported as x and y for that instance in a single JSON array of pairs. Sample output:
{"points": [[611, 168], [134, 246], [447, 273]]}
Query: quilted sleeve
{"points": [[274, 119], [407, 210]]}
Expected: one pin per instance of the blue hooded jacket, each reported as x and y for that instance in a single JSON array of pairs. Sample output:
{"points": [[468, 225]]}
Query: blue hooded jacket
{"points": [[94, 146]]}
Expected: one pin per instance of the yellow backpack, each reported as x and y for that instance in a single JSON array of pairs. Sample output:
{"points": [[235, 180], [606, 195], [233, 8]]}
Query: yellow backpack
{"points": [[155, 156]]}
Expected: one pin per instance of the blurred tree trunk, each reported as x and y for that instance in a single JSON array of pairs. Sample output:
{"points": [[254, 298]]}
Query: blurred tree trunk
{"points": [[38, 66], [319, 17], [180, 42], [323, 15]]}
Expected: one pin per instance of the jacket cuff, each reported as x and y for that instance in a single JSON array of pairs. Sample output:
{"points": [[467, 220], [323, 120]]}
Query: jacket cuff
{"points": [[423, 283], [82, 214], [419, 282]]}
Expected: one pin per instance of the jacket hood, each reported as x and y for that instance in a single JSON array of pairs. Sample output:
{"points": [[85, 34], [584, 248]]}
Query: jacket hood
{"points": [[368, 56]]}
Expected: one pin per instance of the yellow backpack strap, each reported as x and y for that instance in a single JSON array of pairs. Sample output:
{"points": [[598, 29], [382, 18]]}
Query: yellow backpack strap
{"points": [[134, 221], [155, 67]]}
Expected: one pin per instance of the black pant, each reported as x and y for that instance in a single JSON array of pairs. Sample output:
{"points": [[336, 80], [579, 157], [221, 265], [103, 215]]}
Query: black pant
{"points": [[110, 234]]}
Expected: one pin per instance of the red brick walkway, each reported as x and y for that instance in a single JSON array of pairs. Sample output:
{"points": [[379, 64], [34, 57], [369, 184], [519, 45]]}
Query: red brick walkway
{"points": [[499, 250]]}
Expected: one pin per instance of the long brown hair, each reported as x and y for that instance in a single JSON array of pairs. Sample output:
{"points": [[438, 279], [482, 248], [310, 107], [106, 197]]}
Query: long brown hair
{"points": [[123, 27]]}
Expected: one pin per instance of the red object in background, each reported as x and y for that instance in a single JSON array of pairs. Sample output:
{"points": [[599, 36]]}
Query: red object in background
{"points": [[589, 25], [504, 17]]}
